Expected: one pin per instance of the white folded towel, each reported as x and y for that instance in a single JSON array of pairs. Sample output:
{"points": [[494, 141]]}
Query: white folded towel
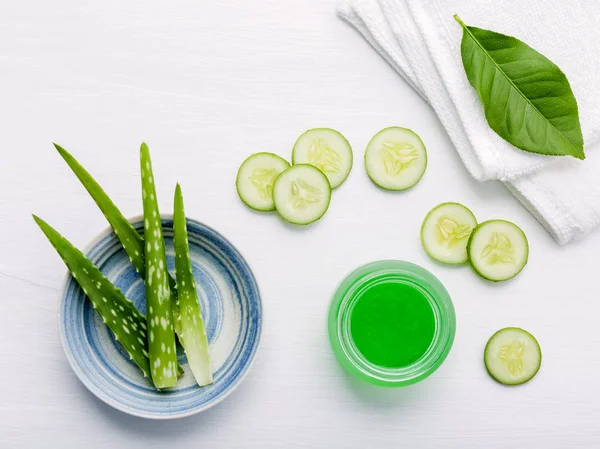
{"points": [[421, 40]]}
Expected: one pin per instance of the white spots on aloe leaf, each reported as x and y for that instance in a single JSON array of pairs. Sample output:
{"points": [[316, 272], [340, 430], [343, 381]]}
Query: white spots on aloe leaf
{"points": [[156, 245], [113, 312], [144, 194], [143, 326], [146, 223], [141, 341], [121, 308], [137, 253], [151, 309], [104, 299], [164, 323], [148, 165], [157, 363], [86, 271], [150, 180], [163, 348], [161, 265], [151, 336], [126, 329], [148, 247], [169, 350], [154, 213], [145, 352], [152, 196], [124, 321]]}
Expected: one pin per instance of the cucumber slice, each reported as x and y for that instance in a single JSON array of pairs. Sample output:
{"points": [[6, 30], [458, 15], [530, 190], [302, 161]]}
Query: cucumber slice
{"points": [[395, 158], [326, 149], [512, 356], [445, 232], [498, 250], [302, 194], [255, 180]]}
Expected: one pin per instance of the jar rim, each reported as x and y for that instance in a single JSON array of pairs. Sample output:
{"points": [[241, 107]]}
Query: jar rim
{"points": [[346, 296]]}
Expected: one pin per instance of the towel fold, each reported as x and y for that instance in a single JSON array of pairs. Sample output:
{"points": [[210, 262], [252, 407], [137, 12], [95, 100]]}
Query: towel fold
{"points": [[421, 41]]}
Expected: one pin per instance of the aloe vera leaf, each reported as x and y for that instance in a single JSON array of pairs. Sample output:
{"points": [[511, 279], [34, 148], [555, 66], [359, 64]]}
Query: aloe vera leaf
{"points": [[131, 240], [118, 312], [161, 336], [192, 325]]}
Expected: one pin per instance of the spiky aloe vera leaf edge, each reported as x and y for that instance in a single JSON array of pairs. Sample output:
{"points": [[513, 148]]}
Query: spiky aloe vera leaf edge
{"points": [[190, 315], [119, 314], [130, 239], [161, 336]]}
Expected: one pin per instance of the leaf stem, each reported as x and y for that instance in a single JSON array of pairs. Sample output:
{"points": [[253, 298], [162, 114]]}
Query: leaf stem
{"points": [[462, 24]]}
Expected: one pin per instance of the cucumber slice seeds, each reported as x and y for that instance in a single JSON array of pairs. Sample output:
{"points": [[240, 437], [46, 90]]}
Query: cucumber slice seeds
{"points": [[395, 158], [445, 232], [326, 149], [512, 356], [498, 250], [302, 194], [255, 180]]}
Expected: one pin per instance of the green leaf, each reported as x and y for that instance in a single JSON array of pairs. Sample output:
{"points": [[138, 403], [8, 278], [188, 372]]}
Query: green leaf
{"points": [[131, 241], [118, 313], [527, 99], [161, 335], [192, 326]]}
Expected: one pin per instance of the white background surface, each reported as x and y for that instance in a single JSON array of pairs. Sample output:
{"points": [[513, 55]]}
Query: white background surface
{"points": [[206, 83]]}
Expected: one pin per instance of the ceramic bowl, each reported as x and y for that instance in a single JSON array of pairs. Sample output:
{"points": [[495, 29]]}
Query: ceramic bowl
{"points": [[231, 307]]}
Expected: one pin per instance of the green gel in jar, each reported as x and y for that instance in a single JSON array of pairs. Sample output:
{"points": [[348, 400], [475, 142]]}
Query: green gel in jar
{"points": [[391, 323]]}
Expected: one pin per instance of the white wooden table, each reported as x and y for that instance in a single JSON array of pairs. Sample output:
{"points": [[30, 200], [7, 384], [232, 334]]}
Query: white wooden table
{"points": [[206, 83]]}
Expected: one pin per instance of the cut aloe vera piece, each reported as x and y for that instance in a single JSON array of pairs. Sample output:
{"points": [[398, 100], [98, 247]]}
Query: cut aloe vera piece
{"points": [[512, 356], [302, 194], [118, 312], [395, 158], [445, 232], [130, 239], [132, 242], [255, 180], [191, 322], [161, 336], [498, 250], [326, 149]]}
